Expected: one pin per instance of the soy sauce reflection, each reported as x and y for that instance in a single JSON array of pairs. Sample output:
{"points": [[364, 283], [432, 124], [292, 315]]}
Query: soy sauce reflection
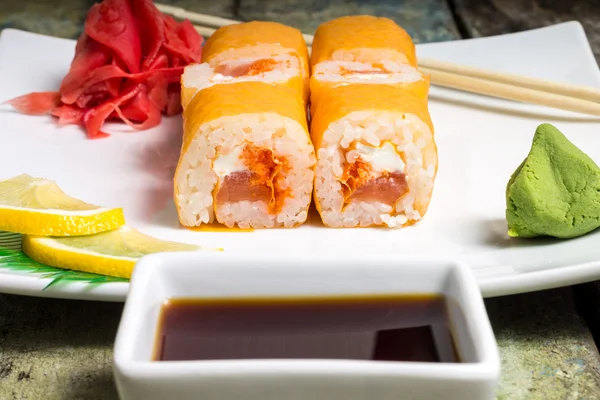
{"points": [[408, 328]]}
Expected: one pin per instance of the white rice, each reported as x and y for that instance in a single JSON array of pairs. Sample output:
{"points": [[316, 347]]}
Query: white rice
{"points": [[331, 71], [201, 76], [409, 134], [368, 55], [196, 181]]}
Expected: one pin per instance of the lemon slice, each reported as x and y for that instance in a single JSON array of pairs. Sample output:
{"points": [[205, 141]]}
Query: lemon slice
{"points": [[111, 253], [36, 206]]}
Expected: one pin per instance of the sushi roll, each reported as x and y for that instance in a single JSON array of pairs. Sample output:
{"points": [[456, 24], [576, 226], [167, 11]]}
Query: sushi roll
{"points": [[376, 156], [246, 159], [364, 49], [254, 51]]}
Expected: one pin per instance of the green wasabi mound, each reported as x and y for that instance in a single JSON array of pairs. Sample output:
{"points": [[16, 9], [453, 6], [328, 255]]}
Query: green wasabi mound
{"points": [[555, 191]]}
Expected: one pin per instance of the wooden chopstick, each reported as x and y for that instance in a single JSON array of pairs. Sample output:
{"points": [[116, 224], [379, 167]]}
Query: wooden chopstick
{"points": [[204, 20], [476, 80], [511, 92], [204, 30], [580, 92]]}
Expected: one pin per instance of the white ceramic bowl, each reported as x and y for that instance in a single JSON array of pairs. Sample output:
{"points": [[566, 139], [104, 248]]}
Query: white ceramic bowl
{"points": [[172, 275]]}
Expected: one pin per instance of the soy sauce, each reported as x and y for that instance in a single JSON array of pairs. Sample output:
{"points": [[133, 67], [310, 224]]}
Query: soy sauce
{"points": [[413, 328]]}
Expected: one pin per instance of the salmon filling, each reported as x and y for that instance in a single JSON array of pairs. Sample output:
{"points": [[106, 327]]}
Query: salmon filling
{"points": [[373, 175], [359, 71], [260, 180], [387, 189], [378, 69]]}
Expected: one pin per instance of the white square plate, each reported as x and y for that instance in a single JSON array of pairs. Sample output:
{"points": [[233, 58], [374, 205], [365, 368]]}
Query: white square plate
{"points": [[481, 141]]}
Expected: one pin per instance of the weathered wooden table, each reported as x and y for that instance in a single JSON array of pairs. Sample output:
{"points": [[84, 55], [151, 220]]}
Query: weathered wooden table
{"points": [[62, 349]]}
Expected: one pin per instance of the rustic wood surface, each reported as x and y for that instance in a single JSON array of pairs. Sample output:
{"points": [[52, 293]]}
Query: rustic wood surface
{"points": [[478, 18], [60, 349], [547, 350], [56, 349], [424, 20]]}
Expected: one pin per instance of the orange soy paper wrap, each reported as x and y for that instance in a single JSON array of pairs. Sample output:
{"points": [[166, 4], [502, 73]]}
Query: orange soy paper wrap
{"points": [[284, 39], [240, 98], [358, 36], [343, 100], [320, 89]]}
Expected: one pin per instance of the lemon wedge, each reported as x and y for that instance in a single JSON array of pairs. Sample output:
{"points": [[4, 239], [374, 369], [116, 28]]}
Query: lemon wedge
{"points": [[36, 206], [111, 253]]}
